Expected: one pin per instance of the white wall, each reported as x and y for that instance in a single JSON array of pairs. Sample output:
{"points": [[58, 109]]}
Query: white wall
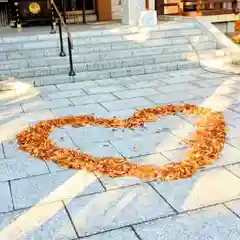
{"points": [[116, 9]]}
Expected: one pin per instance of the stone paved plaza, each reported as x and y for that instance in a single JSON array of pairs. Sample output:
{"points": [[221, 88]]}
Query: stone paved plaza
{"points": [[41, 201]]}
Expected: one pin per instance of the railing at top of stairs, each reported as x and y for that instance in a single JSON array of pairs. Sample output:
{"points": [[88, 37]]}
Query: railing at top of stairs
{"points": [[62, 22]]}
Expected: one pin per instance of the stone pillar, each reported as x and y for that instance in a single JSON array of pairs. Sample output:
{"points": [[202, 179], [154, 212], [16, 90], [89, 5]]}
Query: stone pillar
{"points": [[134, 12], [131, 11]]}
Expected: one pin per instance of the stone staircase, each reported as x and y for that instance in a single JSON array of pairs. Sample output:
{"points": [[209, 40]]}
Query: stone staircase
{"points": [[106, 53]]}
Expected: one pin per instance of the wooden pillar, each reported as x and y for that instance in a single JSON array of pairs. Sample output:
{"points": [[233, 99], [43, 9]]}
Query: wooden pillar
{"points": [[147, 4], [104, 10]]}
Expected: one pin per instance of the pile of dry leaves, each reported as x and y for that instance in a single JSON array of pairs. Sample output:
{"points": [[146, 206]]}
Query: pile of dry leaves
{"points": [[205, 144]]}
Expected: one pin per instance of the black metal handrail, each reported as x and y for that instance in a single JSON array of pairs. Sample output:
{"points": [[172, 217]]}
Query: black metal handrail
{"points": [[61, 23]]}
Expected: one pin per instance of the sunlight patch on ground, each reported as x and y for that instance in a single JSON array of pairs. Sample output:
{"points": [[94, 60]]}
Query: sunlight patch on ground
{"points": [[34, 218]]}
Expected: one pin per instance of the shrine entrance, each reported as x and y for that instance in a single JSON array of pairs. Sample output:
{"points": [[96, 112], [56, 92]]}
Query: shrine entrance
{"points": [[74, 11]]}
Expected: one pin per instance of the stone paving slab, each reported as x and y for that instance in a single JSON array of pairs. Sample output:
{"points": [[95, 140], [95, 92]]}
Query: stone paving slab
{"points": [[121, 234], [116, 81], [182, 79], [174, 124], [127, 200], [96, 98], [235, 169], [53, 187], [215, 223], [105, 89], [170, 97], [138, 146], [11, 150], [116, 208], [232, 80], [152, 159], [48, 89], [99, 134], [6, 199], [1, 151], [76, 85], [7, 110], [215, 102], [49, 221], [135, 93], [219, 90], [16, 168], [152, 76], [234, 206], [63, 94], [42, 105], [178, 87], [236, 107], [61, 138], [229, 155], [127, 103], [203, 189], [145, 84], [94, 109]]}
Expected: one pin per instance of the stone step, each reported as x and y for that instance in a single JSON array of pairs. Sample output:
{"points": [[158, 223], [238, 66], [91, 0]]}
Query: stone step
{"points": [[95, 42], [115, 58], [108, 33], [217, 55], [104, 74], [113, 73], [26, 54]]}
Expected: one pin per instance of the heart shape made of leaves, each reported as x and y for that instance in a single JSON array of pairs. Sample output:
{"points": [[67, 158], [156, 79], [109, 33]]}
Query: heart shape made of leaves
{"points": [[205, 144]]}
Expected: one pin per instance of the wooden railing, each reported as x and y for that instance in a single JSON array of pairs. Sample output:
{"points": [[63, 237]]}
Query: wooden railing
{"points": [[197, 7]]}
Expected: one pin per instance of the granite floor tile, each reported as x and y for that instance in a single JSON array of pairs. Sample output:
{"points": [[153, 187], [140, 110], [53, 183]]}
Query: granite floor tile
{"points": [[96, 98], [177, 87], [6, 198], [99, 134], [138, 146], [144, 84], [215, 102], [127, 104], [235, 169], [116, 81], [11, 150], [44, 104], [121, 234], [170, 97], [229, 155], [21, 167], [215, 223], [148, 77], [116, 208], [76, 85], [13, 109], [203, 189], [234, 206], [53, 187], [1, 151], [135, 93], [63, 94], [49, 221], [93, 109], [156, 160]]}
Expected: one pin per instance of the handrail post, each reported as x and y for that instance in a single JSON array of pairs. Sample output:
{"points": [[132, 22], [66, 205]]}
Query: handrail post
{"points": [[70, 46], [64, 10], [71, 72], [62, 53], [18, 23], [84, 10], [53, 23]]}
